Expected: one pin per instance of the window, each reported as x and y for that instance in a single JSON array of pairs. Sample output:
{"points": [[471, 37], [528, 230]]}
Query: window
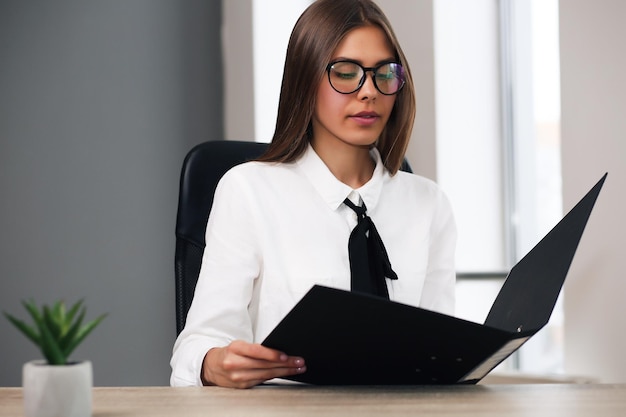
{"points": [[497, 89], [273, 21], [536, 154]]}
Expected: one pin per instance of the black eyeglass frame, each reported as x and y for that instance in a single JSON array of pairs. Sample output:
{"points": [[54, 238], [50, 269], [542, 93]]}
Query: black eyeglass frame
{"points": [[373, 70]]}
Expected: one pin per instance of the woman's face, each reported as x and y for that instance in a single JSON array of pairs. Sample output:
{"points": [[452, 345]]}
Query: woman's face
{"points": [[355, 119]]}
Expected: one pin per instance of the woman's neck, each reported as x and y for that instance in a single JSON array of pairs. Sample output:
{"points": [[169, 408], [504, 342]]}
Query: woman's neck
{"points": [[350, 164]]}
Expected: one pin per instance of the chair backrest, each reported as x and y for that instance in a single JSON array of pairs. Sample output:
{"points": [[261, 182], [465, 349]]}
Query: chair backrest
{"points": [[202, 169]]}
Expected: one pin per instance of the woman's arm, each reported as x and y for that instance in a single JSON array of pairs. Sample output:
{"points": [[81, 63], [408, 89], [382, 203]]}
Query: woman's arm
{"points": [[205, 351], [439, 286]]}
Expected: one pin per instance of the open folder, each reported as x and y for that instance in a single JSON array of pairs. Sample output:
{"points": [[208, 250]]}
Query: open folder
{"points": [[350, 339]]}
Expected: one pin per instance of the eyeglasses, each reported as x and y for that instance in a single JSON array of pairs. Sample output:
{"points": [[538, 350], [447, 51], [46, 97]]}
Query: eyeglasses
{"points": [[346, 77]]}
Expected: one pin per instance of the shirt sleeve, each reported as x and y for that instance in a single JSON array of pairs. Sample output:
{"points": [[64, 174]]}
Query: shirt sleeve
{"points": [[231, 262], [438, 293]]}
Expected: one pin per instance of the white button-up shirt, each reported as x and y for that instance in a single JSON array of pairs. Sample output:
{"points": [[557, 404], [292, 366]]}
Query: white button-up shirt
{"points": [[277, 229]]}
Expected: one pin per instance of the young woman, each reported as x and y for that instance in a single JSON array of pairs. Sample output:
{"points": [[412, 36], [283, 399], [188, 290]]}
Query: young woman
{"points": [[282, 224]]}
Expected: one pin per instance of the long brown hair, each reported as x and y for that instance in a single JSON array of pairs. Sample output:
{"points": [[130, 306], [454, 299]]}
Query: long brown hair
{"points": [[314, 38]]}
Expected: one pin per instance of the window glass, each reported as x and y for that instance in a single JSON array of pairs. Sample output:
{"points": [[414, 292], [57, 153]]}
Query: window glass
{"points": [[498, 147]]}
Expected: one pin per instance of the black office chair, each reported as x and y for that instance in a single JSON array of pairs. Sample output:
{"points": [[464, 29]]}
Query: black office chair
{"points": [[202, 169]]}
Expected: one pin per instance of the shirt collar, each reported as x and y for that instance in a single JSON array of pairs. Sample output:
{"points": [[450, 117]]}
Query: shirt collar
{"points": [[333, 191]]}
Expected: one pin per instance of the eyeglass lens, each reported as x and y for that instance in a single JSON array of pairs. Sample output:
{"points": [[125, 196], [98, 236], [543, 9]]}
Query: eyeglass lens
{"points": [[347, 77]]}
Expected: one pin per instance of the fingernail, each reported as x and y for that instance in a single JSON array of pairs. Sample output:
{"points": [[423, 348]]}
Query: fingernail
{"points": [[301, 369], [299, 362], [283, 357]]}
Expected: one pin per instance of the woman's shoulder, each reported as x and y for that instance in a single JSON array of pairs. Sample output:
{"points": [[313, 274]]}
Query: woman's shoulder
{"points": [[417, 183], [414, 190], [253, 168], [255, 173]]}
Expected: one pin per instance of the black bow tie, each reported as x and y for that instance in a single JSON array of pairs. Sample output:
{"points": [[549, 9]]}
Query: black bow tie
{"points": [[369, 262]]}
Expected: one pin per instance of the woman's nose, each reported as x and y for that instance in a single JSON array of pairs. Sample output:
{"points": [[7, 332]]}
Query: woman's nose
{"points": [[368, 89]]}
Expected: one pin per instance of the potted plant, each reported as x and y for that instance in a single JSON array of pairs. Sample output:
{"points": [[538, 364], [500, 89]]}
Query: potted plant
{"points": [[56, 386]]}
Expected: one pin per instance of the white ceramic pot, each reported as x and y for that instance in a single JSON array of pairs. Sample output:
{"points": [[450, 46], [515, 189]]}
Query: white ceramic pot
{"points": [[57, 390]]}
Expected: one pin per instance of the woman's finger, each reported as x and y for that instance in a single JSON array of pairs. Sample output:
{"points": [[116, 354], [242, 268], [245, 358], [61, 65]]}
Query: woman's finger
{"points": [[243, 365]]}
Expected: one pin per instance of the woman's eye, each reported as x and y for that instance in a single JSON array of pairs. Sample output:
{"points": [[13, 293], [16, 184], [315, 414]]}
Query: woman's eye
{"points": [[385, 76], [346, 75]]}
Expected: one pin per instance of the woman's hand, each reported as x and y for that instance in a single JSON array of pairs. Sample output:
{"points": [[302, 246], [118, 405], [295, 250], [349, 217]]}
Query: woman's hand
{"points": [[244, 365]]}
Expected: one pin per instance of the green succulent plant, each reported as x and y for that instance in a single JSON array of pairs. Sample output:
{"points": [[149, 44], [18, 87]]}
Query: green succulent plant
{"points": [[56, 330]]}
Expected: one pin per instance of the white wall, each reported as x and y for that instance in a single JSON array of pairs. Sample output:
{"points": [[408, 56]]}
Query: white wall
{"points": [[593, 91]]}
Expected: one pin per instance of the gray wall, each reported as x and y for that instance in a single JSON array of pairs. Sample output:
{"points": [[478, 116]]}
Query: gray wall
{"points": [[99, 101], [593, 96]]}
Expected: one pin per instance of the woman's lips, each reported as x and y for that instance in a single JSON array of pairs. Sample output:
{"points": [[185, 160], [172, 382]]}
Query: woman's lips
{"points": [[365, 118]]}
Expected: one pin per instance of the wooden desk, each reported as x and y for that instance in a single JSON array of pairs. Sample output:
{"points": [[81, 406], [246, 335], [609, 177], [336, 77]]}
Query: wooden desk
{"points": [[552, 400]]}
